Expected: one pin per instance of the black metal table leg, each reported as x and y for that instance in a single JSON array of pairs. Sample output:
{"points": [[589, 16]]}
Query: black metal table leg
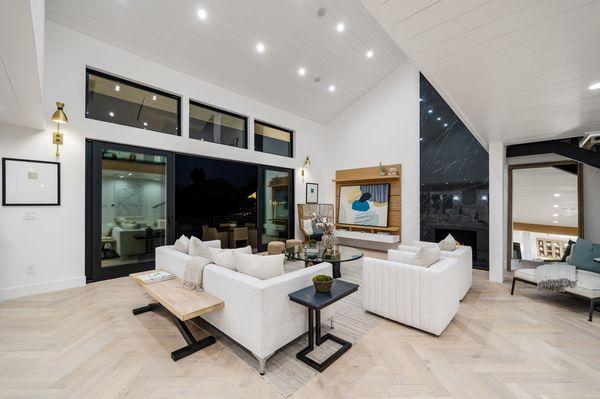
{"points": [[144, 309], [337, 273]]}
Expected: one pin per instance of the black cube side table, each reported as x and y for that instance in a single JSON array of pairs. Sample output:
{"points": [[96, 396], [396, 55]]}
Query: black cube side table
{"points": [[315, 302]]}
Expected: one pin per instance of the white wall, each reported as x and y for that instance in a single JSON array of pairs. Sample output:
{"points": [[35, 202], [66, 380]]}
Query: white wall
{"points": [[54, 243], [382, 126]]}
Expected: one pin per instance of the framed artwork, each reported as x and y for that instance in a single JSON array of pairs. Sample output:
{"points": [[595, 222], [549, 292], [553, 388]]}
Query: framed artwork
{"points": [[365, 205], [312, 193], [30, 183]]}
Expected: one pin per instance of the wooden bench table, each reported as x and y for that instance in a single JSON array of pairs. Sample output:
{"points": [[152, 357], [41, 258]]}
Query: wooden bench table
{"points": [[183, 305]]}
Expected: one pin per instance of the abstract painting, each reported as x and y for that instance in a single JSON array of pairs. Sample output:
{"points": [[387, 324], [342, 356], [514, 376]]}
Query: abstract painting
{"points": [[129, 198], [365, 205]]}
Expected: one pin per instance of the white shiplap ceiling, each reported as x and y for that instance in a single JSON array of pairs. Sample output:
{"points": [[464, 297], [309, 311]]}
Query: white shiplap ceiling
{"points": [[221, 49], [514, 70]]}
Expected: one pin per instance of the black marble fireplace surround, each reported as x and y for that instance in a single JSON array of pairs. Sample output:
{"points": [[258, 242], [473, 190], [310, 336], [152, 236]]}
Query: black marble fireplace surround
{"points": [[454, 178]]}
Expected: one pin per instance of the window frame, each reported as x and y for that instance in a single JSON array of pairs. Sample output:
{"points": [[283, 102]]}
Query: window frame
{"points": [[273, 126], [222, 111], [96, 72]]}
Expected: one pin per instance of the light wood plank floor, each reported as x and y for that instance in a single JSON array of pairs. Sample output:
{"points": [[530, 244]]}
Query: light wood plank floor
{"points": [[85, 343]]}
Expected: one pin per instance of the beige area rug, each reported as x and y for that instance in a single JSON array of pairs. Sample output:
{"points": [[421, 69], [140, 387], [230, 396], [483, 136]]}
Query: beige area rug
{"points": [[288, 374]]}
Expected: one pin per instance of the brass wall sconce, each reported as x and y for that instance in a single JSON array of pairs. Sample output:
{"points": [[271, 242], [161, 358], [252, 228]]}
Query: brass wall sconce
{"points": [[59, 117], [306, 163]]}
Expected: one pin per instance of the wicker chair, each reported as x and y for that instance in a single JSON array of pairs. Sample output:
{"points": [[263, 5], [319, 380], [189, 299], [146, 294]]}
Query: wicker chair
{"points": [[305, 212]]}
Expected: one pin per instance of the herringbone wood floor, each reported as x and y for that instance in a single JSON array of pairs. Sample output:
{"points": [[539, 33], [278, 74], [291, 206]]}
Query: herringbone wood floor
{"points": [[85, 343]]}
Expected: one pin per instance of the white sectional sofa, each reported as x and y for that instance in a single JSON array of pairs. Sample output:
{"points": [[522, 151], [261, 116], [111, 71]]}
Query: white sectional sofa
{"points": [[426, 298], [257, 314], [464, 256]]}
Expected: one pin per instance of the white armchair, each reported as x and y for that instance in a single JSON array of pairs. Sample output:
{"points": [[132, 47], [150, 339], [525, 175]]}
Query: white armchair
{"points": [[422, 297]]}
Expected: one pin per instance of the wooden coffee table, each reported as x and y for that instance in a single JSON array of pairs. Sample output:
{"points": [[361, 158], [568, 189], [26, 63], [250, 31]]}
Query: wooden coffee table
{"points": [[183, 305]]}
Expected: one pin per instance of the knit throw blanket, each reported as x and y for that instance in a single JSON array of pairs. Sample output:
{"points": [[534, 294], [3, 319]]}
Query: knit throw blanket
{"points": [[192, 276], [556, 277]]}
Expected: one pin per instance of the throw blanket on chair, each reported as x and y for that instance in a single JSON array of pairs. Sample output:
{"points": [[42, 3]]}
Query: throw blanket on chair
{"points": [[556, 277], [192, 276]]}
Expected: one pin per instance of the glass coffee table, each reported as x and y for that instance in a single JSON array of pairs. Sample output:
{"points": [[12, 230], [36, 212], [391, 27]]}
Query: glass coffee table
{"points": [[317, 255]]}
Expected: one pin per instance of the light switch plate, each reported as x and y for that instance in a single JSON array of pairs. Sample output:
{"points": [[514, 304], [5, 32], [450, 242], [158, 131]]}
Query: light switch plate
{"points": [[30, 216]]}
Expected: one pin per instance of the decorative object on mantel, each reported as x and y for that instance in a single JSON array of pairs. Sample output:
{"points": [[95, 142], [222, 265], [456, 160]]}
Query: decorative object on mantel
{"points": [[328, 238], [59, 117], [312, 193], [392, 171], [30, 183], [381, 169], [306, 163], [322, 283]]}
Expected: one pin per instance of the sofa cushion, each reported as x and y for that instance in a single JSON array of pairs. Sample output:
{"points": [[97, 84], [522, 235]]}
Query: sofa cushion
{"points": [[262, 267], [307, 225], [225, 258], [584, 254], [425, 257], [448, 243], [198, 248], [182, 244]]}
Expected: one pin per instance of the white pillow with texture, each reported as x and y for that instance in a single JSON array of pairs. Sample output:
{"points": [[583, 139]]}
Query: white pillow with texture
{"points": [[225, 258], [307, 224], [262, 267], [198, 248], [448, 243], [426, 256], [182, 244]]}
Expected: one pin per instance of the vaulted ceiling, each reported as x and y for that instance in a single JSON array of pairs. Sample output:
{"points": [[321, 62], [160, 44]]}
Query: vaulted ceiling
{"points": [[222, 48], [514, 70]]}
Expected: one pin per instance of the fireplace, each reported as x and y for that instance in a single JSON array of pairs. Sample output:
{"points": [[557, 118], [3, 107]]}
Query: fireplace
{"points": [[464, 237]]}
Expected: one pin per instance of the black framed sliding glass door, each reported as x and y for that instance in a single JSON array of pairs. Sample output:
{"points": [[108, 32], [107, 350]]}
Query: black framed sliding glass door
{"points": [[276, 204], [129, 208]]}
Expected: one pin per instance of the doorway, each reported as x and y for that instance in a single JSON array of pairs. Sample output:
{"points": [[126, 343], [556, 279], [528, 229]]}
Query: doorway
{"points": [[128, 208], [276, 212]]}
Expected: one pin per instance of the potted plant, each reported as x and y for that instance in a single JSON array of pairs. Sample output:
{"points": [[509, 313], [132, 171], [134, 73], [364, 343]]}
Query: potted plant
{"points": [[322, 283]]}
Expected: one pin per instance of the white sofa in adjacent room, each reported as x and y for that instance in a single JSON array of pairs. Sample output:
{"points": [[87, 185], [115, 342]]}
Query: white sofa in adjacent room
{"points": [[257, 314], [464, 256], [426, 298]]}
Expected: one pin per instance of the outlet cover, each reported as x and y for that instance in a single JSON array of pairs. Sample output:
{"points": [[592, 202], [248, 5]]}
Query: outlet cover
{"points": [[30, 269], [30, 216]]}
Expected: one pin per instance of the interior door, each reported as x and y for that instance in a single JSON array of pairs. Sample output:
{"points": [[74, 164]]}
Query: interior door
{"points": [[276, 205], [129, 208]]}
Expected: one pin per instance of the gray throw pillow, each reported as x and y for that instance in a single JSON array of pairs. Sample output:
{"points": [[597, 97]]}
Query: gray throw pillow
{"points": [[584, 254]]}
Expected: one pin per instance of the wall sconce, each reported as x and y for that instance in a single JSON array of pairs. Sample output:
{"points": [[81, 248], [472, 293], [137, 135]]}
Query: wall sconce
{"points": [[59, 117], [306, 163]]}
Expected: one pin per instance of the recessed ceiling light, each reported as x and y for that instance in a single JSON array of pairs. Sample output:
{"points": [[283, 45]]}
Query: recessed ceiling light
{"points": [[260, 47], [145, 123], [555, 215], [111, 114], [555, 221], [121, 177], [331, 88], [445, 125], [117, 87], [301, 71], [439, 118], [594, 86], [430, 111], [129, 174], [370, 54], [555, 206], [154, 98], [202, 14], [340, 27], [556, 195]]}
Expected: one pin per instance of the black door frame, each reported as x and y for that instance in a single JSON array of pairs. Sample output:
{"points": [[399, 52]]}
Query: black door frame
{"points": [[93, 209], [260, 192]]}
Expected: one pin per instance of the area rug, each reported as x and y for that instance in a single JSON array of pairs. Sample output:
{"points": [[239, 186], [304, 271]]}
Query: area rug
{"points": [[286, 373]]}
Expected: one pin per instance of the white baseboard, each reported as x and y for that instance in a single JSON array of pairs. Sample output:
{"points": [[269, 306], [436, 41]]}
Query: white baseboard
{"points": [[40, 288]]}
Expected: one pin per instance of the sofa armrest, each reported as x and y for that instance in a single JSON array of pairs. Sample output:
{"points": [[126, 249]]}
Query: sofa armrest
{"points": [[403, 255]]}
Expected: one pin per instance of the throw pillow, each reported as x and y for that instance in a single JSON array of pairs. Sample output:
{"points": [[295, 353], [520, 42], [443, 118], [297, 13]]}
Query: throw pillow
{"points": [[316, 230], [198, 248], [225, 258], [262, 267], [569, 259], [568, 251], [448, 243], [307, 225], [584, 254], [426, 257], [182, 244]]}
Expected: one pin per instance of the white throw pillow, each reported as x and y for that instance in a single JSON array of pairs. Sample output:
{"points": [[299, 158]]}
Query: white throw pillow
{"points": [[262, 267], [182, 244], [225, 258], [307, 224], [426, 256], [198, 248], [448, 243]]}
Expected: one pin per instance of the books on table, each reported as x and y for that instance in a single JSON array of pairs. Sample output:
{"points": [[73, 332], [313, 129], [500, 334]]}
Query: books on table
{"points": [[155, 277]]}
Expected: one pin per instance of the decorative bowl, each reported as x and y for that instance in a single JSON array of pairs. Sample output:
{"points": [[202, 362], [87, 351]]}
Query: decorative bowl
{"points": [[323, 283]]}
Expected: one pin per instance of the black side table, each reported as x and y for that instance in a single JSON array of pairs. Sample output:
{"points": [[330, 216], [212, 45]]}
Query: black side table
{"points": [[315, 301]]}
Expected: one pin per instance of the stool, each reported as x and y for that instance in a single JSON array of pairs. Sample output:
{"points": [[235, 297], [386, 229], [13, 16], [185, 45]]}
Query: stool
{"points": [[292, 243], [276, 247]]}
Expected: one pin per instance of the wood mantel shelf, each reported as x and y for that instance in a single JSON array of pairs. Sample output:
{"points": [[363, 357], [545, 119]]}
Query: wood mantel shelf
{"points": [[353, 227]]}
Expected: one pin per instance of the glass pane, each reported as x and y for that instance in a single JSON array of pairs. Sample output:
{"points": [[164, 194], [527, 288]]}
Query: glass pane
{"points": [[114, 100], [211, 124], [272, 139], [134, 207], [276, 208]]}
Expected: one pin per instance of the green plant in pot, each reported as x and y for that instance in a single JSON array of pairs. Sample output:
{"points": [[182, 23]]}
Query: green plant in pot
{"points": [[322, 283]]}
